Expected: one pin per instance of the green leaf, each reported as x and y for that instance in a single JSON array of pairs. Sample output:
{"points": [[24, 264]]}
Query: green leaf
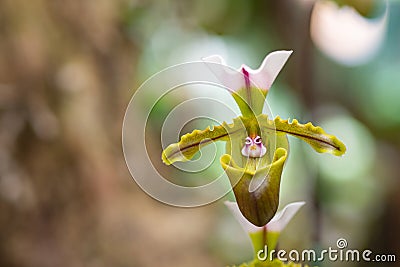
{"points": [[191, 143], [315, 136]]}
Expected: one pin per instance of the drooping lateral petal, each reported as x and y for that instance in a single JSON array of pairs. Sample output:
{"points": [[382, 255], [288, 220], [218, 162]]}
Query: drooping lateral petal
{"points": [[191, 143], [315, 136], [259, 205]]}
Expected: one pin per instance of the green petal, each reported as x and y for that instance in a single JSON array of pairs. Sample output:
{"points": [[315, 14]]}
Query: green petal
{"points": [[191, 143], [260, 205], [313, 135]]}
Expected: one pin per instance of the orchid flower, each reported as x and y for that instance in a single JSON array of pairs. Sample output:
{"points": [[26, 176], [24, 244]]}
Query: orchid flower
{"points": [[268, 234], [256, 145]]}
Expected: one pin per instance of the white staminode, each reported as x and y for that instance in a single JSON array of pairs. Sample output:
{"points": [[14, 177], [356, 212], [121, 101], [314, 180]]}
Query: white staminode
{"points": [[254, 148], [263, 77], [277, 223]]}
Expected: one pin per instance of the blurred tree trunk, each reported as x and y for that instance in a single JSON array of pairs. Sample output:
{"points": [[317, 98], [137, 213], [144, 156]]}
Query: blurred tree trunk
{"points": [[65, 75]]}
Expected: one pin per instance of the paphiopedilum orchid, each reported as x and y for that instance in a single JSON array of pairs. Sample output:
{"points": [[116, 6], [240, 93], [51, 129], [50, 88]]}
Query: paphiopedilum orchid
{"points": [[256, 145]]}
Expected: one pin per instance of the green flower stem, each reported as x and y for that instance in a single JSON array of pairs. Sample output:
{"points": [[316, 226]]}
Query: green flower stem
{"points": [[263, 239]]}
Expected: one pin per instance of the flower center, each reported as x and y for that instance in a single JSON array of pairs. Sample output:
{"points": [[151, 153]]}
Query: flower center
{"points": [[253, 147]]}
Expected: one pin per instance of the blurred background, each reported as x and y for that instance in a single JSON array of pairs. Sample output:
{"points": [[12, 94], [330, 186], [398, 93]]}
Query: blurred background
{"points": [[69, 68]]}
